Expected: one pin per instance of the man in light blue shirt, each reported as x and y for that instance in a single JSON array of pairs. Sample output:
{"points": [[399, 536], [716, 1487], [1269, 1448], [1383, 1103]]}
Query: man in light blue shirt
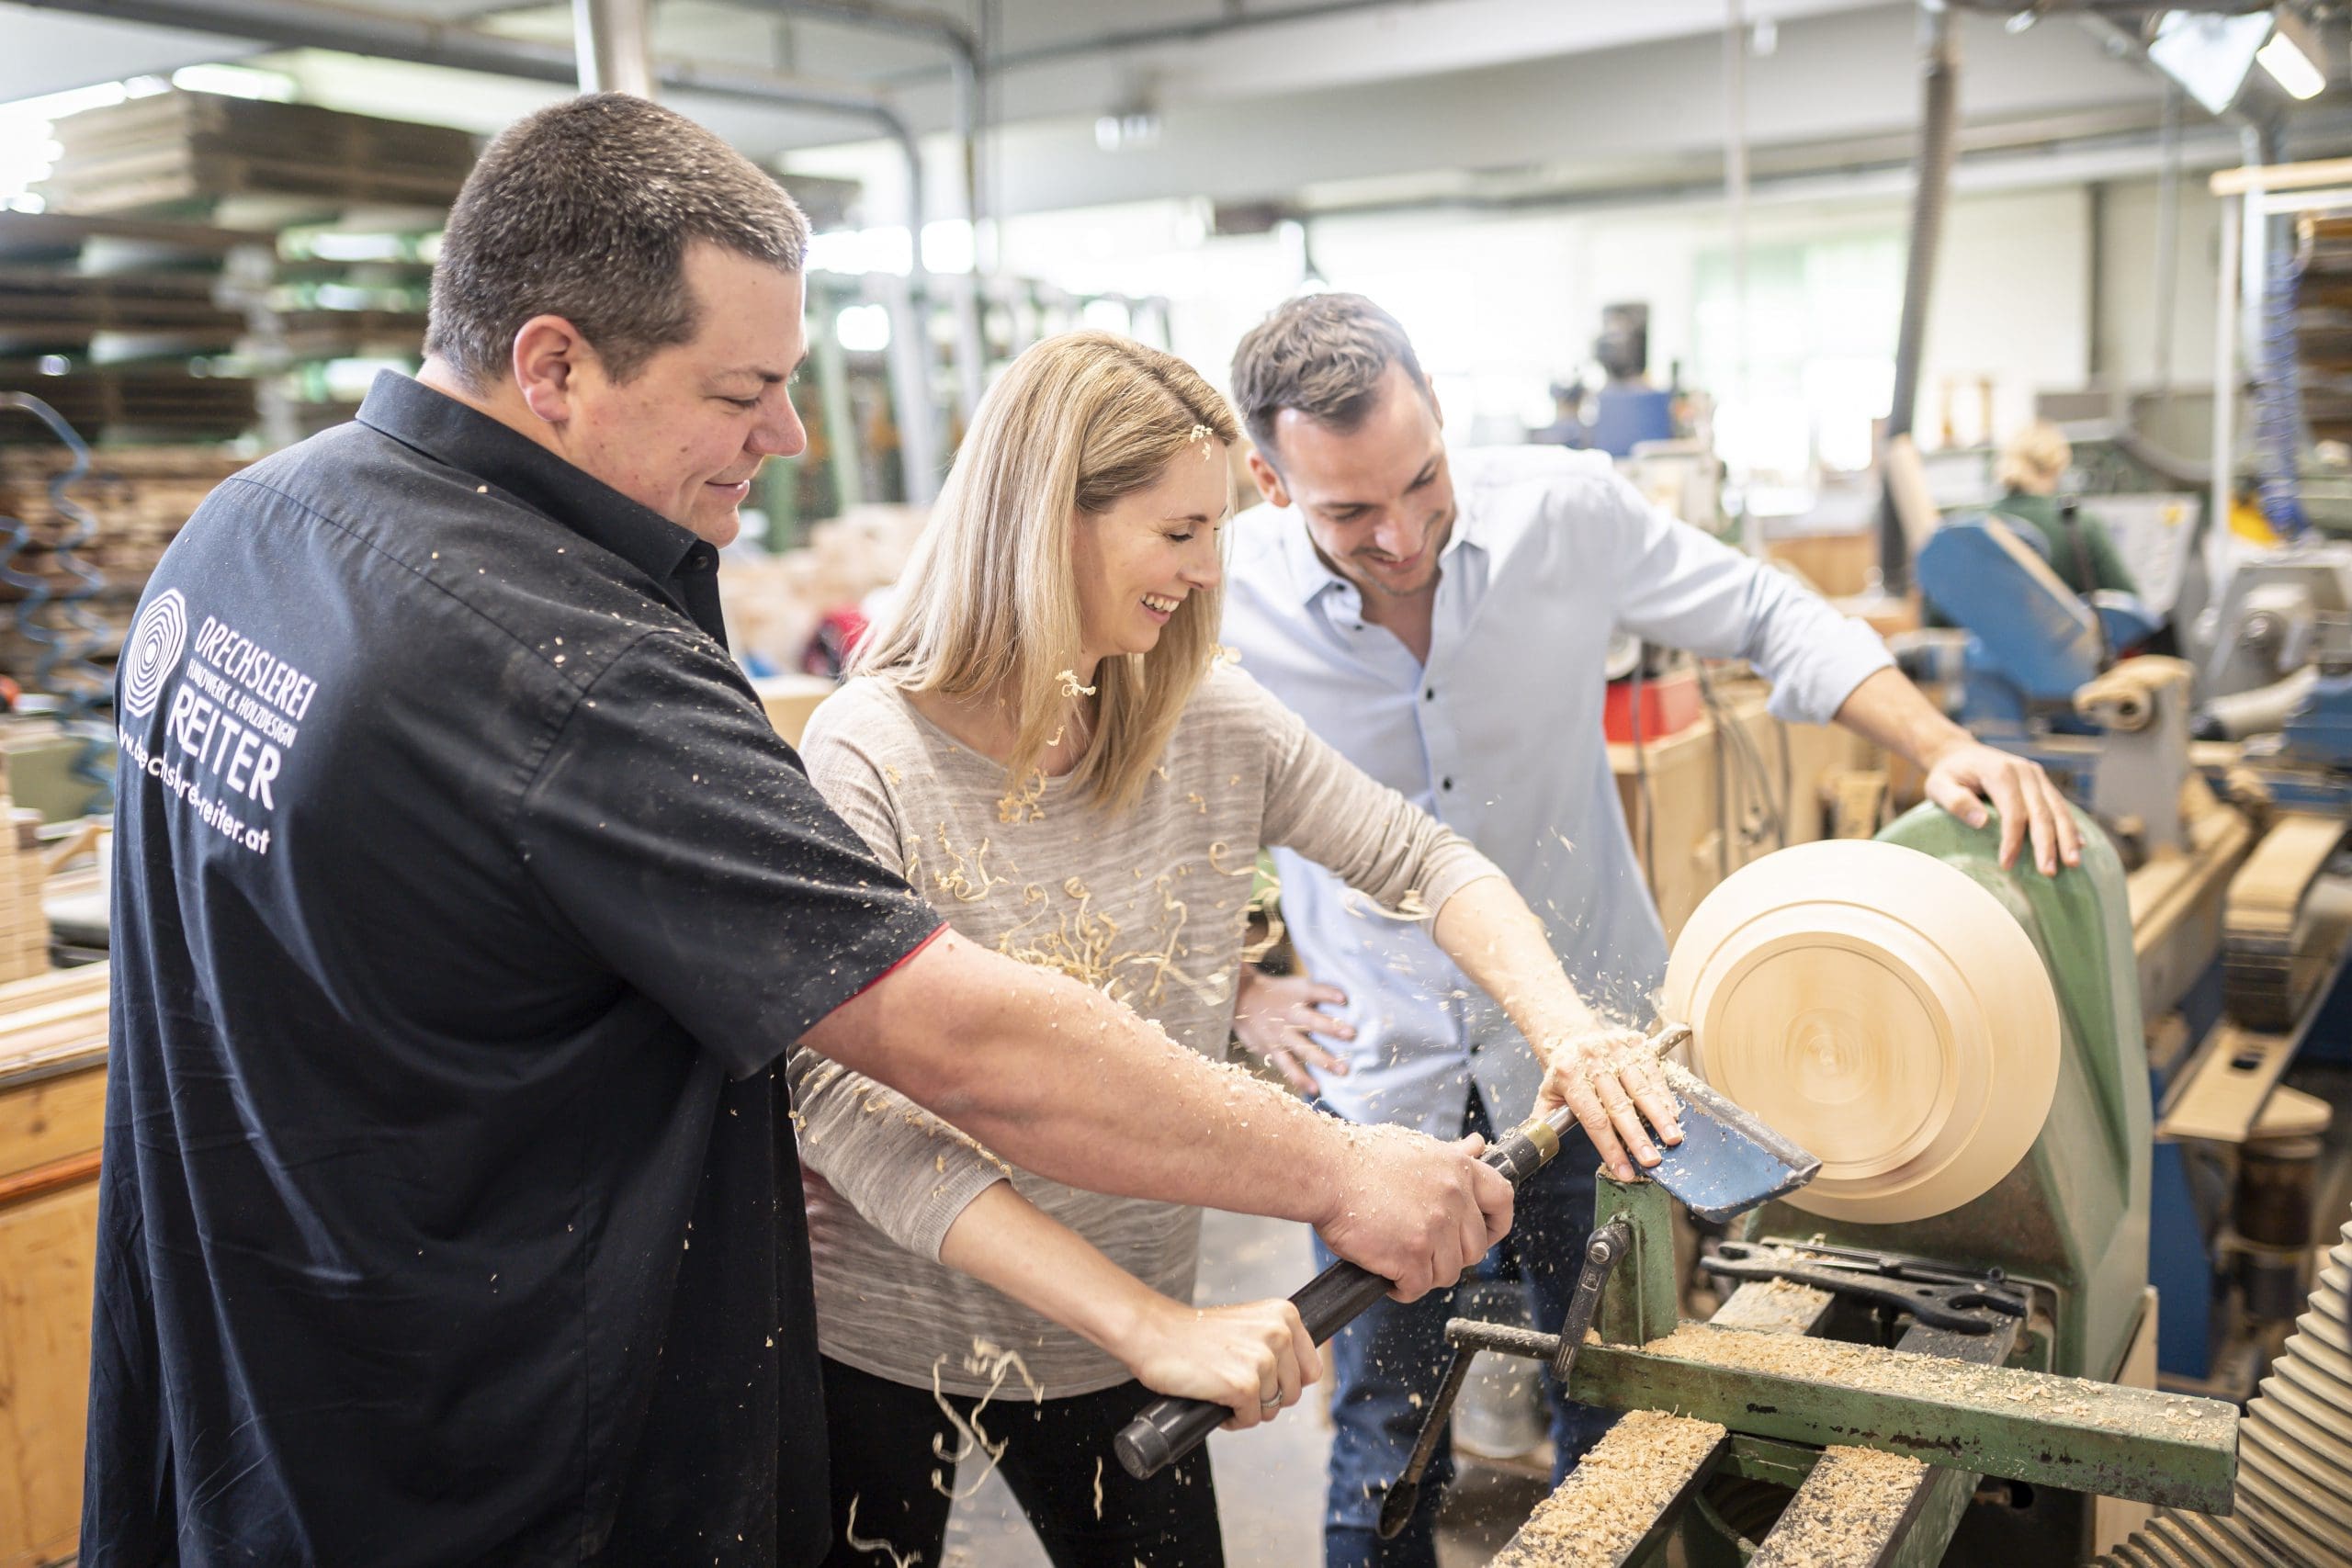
{"points": [[1442, 618]]}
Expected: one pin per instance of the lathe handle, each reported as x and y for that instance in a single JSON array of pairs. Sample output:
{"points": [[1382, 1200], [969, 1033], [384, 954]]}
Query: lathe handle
{"points": [[1168, 1428]]}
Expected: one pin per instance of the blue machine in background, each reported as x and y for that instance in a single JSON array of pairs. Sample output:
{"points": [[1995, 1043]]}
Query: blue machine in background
{"points": [[2033, 667]]}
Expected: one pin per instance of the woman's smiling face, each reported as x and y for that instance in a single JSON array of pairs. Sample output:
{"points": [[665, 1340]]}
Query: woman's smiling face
{"points": [[1138, 563]]}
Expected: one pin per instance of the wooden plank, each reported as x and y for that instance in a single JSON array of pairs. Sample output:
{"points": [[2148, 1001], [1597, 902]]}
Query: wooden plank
{"points": [[1851, 1512], [1619, 1500], [55, 1119], [2223, 1095], [47, 1250], [2312, 176], [2267, 894]]}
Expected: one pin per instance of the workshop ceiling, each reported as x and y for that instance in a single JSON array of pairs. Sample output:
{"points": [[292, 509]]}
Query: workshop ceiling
{"points": [[1321, 102]]}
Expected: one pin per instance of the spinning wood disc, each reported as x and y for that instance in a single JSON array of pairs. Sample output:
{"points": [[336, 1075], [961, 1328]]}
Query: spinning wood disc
{"points": [[1882, 1009]]}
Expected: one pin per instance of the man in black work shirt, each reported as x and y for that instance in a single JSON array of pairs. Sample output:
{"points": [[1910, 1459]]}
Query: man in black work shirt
{"points": [[465, 901]]}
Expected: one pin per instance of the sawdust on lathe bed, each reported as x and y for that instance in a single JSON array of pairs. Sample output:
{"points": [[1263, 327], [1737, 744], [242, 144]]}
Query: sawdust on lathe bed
{"points": [[1845, 1511], [2007, 1390], [1614, 1495]]}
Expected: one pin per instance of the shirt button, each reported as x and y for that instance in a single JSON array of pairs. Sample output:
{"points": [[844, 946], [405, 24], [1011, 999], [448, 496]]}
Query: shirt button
{"points": [[1447, 785], [1430, 695]]}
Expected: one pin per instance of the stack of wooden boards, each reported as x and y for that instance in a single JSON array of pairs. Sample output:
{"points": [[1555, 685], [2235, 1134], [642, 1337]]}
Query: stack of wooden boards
{"points": [[136, 498], [181, 150], [52, 1109], [151, 301], [107, 320], [2323, 326], [23, 927]]}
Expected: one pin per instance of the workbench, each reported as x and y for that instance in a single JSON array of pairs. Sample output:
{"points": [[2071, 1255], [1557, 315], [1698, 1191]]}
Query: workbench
{"points": [[53, 1111]]}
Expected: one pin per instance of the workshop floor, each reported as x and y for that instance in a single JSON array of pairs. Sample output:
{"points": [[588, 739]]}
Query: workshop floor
{"points": [[1269, 1482]]}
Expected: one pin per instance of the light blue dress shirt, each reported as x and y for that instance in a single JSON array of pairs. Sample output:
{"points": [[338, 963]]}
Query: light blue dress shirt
{"points": [[1500, 735]]}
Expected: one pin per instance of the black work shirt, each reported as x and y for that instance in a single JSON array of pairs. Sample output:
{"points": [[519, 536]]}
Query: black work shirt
{"points": [[464, 899]]}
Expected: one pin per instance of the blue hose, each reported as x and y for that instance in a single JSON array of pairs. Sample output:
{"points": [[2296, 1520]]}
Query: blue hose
{"points": [[2279, 402], [70, 635]]}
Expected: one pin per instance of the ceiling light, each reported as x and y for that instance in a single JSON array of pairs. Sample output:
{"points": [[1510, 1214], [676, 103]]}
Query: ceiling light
{"points": [[2293, 57], [2209, 55]]}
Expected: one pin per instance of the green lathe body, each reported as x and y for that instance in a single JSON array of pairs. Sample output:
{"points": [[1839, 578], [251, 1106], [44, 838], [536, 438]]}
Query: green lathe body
{"points": [[2073, 1216]]}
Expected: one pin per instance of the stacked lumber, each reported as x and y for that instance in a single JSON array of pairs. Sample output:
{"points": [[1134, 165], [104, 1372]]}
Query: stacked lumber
{"points": [[181, 151], [44, 312], [136, 499], [23, 927], [2324, 327], [132, 402]]}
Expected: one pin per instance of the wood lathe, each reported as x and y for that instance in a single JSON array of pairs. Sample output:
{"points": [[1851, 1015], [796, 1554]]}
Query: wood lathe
{"points": [[1942, 1349]]}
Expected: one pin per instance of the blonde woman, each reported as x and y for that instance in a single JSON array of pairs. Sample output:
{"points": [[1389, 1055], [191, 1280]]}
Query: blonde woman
{"points": [[1042, 740], [2032, 464]]}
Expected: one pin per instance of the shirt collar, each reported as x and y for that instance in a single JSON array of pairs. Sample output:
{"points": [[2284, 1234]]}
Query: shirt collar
{"points": [[447, 430], [1311, 578]]}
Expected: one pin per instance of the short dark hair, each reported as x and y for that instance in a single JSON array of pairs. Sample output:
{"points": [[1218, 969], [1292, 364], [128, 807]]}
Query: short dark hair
{"points": [[584, 211], [1323, 354]]}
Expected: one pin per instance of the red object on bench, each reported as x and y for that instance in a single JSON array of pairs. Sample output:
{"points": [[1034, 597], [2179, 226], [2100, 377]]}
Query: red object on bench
{"points": [[1669, 705]]}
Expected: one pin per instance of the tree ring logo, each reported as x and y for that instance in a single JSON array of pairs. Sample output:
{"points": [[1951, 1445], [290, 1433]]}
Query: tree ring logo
{"points": [[152, 652]]}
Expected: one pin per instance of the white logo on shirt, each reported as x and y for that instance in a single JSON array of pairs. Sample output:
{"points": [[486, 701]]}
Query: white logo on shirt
{"points": [[151, 651]]}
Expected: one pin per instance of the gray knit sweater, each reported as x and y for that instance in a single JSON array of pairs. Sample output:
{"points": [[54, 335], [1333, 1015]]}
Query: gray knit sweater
{"points": [[1150, 905]]}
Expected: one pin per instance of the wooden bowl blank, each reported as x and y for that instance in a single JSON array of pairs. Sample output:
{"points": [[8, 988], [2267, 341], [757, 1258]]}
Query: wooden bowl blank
{"points": [[1882, 1009]]}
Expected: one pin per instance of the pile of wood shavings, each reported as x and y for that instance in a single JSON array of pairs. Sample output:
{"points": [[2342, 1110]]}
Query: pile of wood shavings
{"points": [[1614, 1495], [1844, 1512]]}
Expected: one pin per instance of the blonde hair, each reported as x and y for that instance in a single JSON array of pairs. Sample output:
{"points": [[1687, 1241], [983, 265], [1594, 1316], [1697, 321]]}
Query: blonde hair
{"points": [[990, 599], [2034, 459]]}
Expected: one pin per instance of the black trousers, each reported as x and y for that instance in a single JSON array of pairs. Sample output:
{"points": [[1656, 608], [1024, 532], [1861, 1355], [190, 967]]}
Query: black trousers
{"points": [[881, 1434]]}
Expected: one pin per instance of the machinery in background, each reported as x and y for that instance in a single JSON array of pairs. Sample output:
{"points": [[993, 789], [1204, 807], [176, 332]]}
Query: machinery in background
{"points": [[2025, 654], [2241, 891], [1625, 411], [2278, 680]]}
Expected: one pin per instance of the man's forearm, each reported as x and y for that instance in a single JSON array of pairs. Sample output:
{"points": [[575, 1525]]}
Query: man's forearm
{"points": [[1888, 711], [1068, 1083]]}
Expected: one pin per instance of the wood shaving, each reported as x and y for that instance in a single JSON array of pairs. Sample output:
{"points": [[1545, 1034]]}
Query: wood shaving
{"points": [[994, 1363], [1615, 1494], [858, 1543], [1070, 684]]}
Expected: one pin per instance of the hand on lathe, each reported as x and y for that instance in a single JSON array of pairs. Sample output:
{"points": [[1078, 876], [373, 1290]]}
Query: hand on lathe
{"points": [[1415, 1211], [1254, 1357], [1611, 1080], [1967, 773], [1276, 1017]]}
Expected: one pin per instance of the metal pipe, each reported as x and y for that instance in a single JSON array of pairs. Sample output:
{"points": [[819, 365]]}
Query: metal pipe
{"points": [[1938, 115], [613, 39], [1736, 217], [969, 76], [2167, 240], [316, 24]]}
